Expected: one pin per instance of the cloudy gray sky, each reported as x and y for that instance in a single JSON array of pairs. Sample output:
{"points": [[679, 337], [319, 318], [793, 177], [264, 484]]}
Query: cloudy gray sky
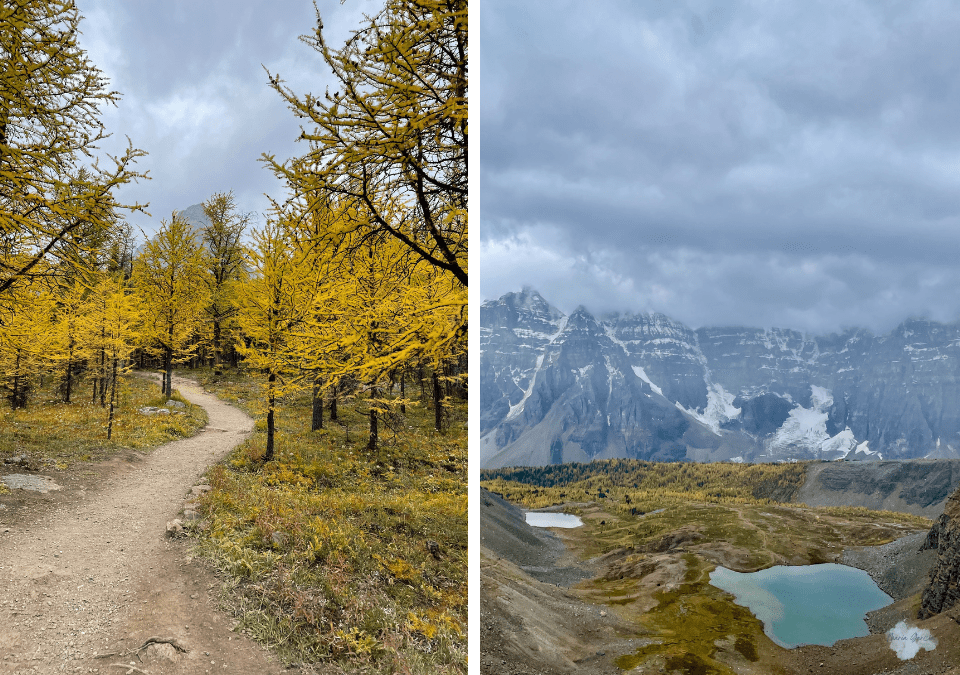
{"points": [[195, 95], [791, 164]]}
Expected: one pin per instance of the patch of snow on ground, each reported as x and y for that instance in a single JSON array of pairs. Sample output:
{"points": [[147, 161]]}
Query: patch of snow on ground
{"points": [[642, 374]]}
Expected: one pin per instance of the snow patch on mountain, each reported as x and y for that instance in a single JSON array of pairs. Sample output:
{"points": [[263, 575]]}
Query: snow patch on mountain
{"points": [[839, 446], [804, 427], [642, 374], [611, 333], [515, 410], [518, 408], [864, 449], [820, 398], [719, 408]]}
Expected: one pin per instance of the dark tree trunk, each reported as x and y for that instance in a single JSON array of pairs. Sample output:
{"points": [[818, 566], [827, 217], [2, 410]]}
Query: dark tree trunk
{"points": [[333, 403], [103, 378], [316, 423], [423, 393], [15, 395], [113, 396], [168, 372], [68, 379], [437, 406], [271, 402], [216, 342], [168, 365], [403, 390], [373, 439]]}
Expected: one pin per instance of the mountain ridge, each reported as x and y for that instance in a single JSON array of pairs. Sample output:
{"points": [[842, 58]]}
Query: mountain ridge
{"points": [[557, 388]]}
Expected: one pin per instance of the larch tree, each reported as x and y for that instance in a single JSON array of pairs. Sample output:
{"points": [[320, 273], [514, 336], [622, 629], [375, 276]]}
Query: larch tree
{"points": [[120, 334], [318, 236], [67, 338], [24, 343], [351, 333], [225, 263], [54, 194], [271, 306], [391, 142], [170, 276], [436, 332]]}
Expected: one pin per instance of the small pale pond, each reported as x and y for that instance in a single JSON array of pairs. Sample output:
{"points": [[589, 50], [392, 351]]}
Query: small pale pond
{"points": [[547, 519], [806, 605]]}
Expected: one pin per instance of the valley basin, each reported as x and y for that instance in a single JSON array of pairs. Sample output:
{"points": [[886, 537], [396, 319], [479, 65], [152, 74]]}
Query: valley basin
{"points": [[808, 604]]}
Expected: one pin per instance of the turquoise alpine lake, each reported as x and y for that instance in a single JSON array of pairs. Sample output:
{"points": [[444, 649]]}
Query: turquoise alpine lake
{"points": [[548, 519], [806, 605]]}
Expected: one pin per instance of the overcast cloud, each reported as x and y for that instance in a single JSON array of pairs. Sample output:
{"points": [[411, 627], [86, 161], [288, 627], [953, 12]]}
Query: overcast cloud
{"points": [[790, 164], [195, 95]]}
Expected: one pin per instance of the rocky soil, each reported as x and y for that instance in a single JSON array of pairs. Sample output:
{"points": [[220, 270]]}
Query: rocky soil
{"points": [[900, 568], [91, 583]]}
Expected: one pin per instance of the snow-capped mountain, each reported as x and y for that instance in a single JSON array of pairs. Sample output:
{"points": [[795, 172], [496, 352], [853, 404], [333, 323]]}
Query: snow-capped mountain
{"points": [[558, 388]]}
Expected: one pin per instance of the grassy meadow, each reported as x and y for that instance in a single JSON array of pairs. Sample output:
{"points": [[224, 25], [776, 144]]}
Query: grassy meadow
{"points": [[61, 435], [334, 553]]}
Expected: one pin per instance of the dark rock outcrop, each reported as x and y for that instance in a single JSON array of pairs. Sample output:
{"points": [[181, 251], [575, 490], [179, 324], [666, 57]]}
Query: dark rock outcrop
{"points": [[943, 593]]}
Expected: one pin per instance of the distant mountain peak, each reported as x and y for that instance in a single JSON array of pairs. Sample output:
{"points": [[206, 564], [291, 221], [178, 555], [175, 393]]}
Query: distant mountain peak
{"points": [[195, 216]]}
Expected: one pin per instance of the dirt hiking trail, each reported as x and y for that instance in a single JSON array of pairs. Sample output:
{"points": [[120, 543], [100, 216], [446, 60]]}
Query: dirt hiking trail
{"points": [[87, 584]]}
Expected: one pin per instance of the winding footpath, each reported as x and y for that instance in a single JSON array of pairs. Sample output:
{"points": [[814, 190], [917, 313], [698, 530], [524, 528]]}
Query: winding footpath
{"points": [[86, 586]]}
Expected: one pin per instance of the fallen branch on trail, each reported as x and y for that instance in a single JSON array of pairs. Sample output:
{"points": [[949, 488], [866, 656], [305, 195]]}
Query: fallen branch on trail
{"points": [[173, 642], [164, 641], [131, 669]]}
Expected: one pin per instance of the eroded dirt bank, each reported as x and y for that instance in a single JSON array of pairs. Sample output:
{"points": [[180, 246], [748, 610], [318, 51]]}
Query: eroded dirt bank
{"points": [[89, 577]]}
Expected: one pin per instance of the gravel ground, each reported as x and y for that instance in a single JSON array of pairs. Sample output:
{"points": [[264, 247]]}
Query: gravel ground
{"points": [[901, 571], [92, 577], [899, 568]]}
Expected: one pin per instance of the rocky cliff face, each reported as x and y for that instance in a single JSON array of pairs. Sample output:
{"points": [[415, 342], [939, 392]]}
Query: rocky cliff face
{"points": [[556, 388], [944, 537]]}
